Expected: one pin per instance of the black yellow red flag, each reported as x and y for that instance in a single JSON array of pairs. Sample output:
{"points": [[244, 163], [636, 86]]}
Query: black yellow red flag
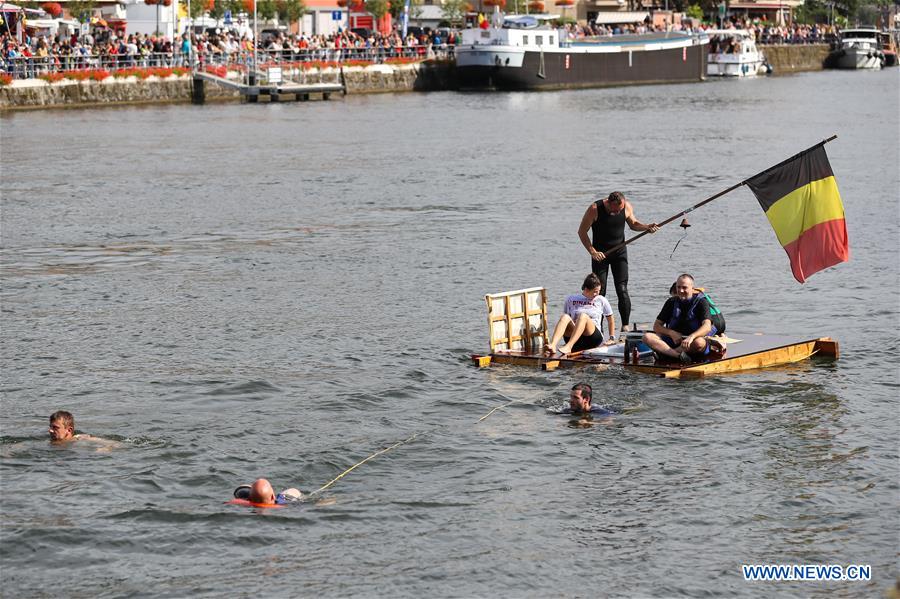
{"points": [[801, 200]]}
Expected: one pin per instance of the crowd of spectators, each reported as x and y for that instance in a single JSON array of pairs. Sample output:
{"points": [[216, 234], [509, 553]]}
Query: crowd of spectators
{"points": [[764, 32], [36, 55]]}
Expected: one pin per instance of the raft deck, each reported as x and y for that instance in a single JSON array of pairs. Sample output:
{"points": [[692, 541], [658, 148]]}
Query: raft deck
{"points": [[518, 328], [745, 352]]}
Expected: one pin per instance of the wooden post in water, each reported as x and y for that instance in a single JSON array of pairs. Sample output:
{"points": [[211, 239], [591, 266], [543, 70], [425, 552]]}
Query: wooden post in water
{"points": [[198, 91]]}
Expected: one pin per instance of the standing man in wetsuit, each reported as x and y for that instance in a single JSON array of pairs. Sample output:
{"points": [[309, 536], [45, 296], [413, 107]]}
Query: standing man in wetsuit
{"points": [[606, 220]]}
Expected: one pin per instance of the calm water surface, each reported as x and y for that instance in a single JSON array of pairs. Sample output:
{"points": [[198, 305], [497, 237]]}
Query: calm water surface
{"points": [[236, 291]]}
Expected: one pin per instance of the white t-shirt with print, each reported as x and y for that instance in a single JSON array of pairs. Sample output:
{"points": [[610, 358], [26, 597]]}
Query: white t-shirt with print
{"points": [[597, 309]]}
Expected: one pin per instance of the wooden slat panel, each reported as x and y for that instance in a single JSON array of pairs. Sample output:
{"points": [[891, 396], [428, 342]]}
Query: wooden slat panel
{"points": [[526, 326]]}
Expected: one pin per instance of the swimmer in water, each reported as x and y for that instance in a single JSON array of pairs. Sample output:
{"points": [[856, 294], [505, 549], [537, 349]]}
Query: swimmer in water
{"points": [[580, 398], [62, 431], [262, 493], [62, 427], [580, 404]]}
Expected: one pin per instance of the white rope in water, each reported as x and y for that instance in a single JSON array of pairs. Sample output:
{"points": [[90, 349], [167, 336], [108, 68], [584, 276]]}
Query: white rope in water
{"points": [[398, 444]]}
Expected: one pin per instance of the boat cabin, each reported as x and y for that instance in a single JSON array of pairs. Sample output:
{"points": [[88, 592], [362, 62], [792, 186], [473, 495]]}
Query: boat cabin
{"points": [[523, 31], [731, 41], [864, 39]]}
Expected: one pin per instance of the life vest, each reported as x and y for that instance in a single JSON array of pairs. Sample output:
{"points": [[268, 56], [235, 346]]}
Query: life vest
{"points": [[693, 322], [248, 503]]}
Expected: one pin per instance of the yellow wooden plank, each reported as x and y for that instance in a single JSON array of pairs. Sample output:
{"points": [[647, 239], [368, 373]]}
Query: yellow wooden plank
{"points": [[508, 322], [764, 359], [482, 361], [544, 317]]}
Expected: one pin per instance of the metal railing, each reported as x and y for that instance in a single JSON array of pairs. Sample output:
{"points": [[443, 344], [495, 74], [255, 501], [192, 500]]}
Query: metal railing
{"points": [[793, 39], [34, 67]]}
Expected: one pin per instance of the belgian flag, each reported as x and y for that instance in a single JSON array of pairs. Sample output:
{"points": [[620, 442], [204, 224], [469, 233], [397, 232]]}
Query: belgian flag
{"points": [[801, 200]]}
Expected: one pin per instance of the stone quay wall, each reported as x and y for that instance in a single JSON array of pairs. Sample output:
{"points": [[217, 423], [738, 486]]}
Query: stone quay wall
{"points": [[787, 58], [33, 94]]}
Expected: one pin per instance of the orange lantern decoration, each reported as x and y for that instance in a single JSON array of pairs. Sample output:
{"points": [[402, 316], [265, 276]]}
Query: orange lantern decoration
{"points": [[249, 5], [52, 8], [342, 3], [536, 6], [500, 3], [565, 2], [167, 2]]}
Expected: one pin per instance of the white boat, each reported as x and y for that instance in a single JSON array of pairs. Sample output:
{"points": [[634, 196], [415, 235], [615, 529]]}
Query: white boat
{"points": [[733, 53], [858, 49], [523, 52]]}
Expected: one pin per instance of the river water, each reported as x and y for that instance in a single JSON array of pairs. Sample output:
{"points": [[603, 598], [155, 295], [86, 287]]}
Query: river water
{"points": [[235, 291]]}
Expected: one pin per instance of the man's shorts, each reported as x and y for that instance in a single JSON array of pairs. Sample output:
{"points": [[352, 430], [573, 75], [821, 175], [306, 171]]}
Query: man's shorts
{"points": [[705, 351]]}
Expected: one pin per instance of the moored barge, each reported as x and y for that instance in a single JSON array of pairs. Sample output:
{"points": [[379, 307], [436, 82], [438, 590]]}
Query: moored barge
{"points": [[524, 53]]}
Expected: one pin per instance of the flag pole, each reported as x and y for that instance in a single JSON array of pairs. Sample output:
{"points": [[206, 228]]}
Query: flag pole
{"points": [[717, 196]]}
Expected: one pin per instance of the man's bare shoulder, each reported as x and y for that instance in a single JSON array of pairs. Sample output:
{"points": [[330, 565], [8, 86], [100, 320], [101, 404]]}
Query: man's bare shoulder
{"points": [[101, 443]]}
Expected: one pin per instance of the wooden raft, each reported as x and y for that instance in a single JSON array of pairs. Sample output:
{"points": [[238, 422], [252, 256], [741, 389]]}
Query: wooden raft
{"points": [[518, 326]]}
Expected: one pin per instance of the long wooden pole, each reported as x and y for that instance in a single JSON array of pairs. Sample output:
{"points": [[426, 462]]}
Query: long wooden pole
{"points": [[718, 195]]}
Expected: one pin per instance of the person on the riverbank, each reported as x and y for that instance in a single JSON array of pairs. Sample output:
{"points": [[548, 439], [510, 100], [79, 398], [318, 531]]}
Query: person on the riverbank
{"points": [[606, 219], [683, 327], [262, 493], [581, 324]]}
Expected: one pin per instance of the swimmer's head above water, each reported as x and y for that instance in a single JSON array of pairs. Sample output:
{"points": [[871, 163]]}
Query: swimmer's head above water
{"points": [[261, 491], [62, 427], [580, 398]]}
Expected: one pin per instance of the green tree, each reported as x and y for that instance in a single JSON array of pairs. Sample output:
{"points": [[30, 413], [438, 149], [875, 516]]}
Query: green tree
{"points": [[80, 9], [378, 8], [265, 10], [217, 10], [415, 9], [454, 11], [290, 10], [198, 7], [694, 11]]}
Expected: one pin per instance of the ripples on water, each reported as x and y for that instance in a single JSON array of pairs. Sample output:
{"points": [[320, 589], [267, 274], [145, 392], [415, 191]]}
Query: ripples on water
{"points": [[281, 290]]}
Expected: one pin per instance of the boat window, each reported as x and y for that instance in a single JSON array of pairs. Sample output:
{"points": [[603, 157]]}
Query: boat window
{"points": [[539, 39], [525, 40], [551, 40]]}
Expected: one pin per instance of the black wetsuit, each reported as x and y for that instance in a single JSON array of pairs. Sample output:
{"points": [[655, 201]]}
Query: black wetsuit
{"points": [[606, 232]]}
